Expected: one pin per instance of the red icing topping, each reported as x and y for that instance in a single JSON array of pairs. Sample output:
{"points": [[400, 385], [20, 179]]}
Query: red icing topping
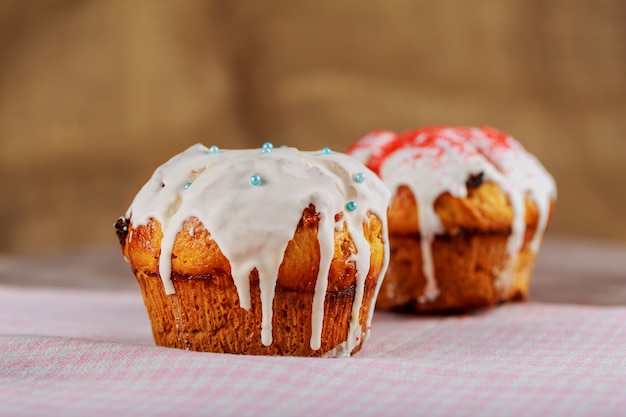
{"points": [[498, 138], [372, 141], [432, 137]]}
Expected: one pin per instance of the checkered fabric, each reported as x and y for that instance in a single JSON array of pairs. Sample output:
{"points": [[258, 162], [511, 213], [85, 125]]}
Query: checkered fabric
{"points": [[79, 353]]}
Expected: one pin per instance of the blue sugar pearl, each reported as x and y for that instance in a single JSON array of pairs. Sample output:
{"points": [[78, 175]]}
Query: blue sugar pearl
{"points": [[267, 147], [284, 147], [326, 150], [351, 206], [358, 177], [187, 184], [214, 149], [255, 180]]}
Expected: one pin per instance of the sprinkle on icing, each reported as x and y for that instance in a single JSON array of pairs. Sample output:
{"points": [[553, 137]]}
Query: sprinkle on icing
{"points": [[358, 177], [350, 206], [214, 149], [326, 150], [292, 180], [267, 147], [434, 160]]}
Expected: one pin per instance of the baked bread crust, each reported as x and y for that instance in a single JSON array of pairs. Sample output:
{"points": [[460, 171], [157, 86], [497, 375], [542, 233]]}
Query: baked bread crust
{"points": [[486, 209], [473, 246], [479, 246], [270, 251], [204, 313]]}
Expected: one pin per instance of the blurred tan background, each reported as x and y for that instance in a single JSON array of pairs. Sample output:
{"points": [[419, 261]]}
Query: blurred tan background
{"points": [[94, 95]]}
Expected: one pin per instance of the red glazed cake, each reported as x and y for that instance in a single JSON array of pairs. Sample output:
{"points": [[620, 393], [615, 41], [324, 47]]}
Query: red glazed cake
{"points": [[469, 209]]}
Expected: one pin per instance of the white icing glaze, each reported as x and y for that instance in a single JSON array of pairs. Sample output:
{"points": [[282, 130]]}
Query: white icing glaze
{"points": [[253, 225], [344, 349], [439, 160], [443, 167], [527, 175], [370, 144]]}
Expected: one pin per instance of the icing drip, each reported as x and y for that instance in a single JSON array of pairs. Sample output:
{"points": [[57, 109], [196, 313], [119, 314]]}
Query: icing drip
{"points": [[344, 349], [362, 257], [354, 216], [260, 200], [438, 164], [386, 258], [435, 160], [325, 234], [527, 175]]}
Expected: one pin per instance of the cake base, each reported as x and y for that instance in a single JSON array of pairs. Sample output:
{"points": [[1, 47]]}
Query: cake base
{"points": [[205, 315], [468, 268]]}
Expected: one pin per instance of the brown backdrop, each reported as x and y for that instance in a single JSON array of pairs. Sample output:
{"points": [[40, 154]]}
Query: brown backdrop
{"points": [[95, 94]]}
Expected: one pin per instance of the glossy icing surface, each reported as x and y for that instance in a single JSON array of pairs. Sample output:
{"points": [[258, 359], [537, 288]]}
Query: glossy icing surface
{"points": [[251, 202], [433, 160]]}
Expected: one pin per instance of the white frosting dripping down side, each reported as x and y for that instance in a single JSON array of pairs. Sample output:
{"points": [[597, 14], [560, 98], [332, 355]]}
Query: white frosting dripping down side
{"points": [[528, 176], [386, 254], [429, 172], [253, 225]]}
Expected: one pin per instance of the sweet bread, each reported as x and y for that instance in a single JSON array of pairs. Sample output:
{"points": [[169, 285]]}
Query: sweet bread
{"points": [[469, 209], [269, 251]]}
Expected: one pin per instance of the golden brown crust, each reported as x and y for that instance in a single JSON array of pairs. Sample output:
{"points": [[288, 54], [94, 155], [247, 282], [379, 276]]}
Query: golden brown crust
{"points": [[468, 257], [466, 268], [486, 208], [210, 318], [206, 304]]}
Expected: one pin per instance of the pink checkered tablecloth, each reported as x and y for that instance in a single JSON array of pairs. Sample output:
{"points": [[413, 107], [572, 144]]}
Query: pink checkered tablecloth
{"points": [[76, 352]]}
